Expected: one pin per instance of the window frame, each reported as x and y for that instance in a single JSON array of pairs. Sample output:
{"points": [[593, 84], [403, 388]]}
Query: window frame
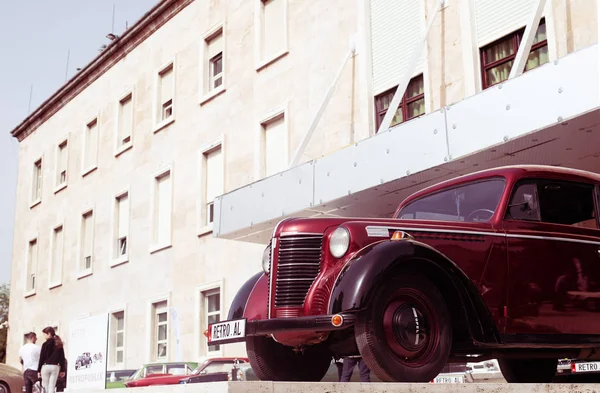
{"points": [[155, 329], [204, 226], [260, 61], [85, 170], [120, 149], [206, 94], [81, 272], [163, 123], [40, 183], [117, 259], [515, 37], [31, 291], [56, 284], [112, 356], [380, 113], [155, 245], [202, 317], [61, 186], [260, 164], [536, 180]]}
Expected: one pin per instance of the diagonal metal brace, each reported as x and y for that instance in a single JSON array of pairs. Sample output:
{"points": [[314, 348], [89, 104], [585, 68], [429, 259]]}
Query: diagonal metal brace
{"points": [[527, 41], [389, 115], [322, 107]]}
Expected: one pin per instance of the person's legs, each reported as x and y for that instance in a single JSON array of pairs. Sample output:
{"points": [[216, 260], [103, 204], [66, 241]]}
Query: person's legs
{"points": [[29, 377], [52, 376], [365, 373], [349, 364]]}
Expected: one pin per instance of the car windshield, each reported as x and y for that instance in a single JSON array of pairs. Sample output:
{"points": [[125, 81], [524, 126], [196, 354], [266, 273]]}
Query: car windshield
{"points": [[473, 202]]}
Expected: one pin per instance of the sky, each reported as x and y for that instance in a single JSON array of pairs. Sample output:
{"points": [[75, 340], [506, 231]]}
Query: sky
{"points": [[36, 37]]}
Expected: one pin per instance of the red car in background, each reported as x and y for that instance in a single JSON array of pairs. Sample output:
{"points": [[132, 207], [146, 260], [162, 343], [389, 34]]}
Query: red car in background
{"points": [[173, 373]]}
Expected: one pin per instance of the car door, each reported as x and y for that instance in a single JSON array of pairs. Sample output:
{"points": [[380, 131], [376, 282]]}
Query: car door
{"points": [[553, 251]]}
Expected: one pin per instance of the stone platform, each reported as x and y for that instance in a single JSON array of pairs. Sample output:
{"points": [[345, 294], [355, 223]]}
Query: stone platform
{"points": [[353, 387]]}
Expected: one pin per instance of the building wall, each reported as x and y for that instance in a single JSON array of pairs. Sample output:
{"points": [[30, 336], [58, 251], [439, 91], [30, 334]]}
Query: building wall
{"points": [[319, 33], [297, 82]]}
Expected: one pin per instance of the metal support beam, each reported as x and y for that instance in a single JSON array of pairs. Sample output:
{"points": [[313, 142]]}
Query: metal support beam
{"points": [[528, 36], [322, 107], [403, 84]]}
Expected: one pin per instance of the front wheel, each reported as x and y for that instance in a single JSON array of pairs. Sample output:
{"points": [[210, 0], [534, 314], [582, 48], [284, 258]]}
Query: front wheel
{"points": [[406, 333], [272, 361], [528, 370]]}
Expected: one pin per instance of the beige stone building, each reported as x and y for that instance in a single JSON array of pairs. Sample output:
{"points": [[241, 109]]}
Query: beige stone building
{"points": [[119, 168]]}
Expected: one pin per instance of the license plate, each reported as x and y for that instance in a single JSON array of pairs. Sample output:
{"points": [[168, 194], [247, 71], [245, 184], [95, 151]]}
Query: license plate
{"points": [[587, 367], [227, 331], [452, 379]]}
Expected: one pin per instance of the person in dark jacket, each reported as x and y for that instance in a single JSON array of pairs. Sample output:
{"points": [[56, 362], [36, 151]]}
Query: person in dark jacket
{"points": [[52, 360]]}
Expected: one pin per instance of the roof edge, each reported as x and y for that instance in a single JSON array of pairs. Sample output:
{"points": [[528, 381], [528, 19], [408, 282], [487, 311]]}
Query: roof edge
{"points": [[151, 21]]}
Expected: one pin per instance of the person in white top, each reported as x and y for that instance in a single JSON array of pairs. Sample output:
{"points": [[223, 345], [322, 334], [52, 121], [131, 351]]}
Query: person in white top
{"points": [[29, 354]]}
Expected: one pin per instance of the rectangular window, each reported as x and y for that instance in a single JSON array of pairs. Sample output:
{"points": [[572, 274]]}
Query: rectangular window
{"points": [[61, 164], [90, 147], [162, 209], [166, 88], [214, 47], [32, 260], [213, 181], [161, 330], [36, 187], [498, 57], [275, 145], [273, 29], [125, 122], [87, 241], [57, 256], [411, 106], [117, 338], [121, 226], [212, 311]]}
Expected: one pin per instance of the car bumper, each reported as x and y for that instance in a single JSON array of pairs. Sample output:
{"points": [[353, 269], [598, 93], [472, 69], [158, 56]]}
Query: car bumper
{"points": [[318, 323]]}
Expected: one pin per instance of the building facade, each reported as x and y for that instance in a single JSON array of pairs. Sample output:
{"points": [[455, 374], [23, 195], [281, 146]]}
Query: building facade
{"points": [[119, 169]]}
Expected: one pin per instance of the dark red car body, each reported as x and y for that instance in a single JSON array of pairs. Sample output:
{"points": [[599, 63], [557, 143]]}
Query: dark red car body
{"points": [[527, 287]]}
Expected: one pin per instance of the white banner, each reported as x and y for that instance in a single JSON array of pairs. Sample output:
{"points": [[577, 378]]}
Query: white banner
{"points": [[87, 345]]}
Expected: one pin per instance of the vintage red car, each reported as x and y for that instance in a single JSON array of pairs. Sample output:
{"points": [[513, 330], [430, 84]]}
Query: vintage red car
{"points": [[173, 373], [500, 263]]}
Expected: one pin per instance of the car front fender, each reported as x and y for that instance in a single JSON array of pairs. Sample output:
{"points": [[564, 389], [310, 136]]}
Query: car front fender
{"points": [[367, 271], [250, 293]]}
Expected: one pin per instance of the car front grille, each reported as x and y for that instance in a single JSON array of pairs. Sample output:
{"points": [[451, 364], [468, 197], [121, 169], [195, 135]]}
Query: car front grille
{"points": [[298, 264]]}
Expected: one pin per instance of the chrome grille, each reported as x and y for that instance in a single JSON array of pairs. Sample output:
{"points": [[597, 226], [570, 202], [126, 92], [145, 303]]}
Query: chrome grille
{"points": [[299, 263]]}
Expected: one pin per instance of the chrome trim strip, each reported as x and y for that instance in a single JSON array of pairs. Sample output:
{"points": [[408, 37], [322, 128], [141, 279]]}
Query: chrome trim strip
{"points": [[496, 234], [282, 234]]}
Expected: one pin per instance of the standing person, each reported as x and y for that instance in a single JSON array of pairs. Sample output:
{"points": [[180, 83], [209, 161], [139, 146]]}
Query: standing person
{"points": [[349, 364], [52, 360], [29, 355]]}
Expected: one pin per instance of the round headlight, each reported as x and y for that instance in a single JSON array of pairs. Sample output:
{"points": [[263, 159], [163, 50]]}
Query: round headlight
{"points": [[339, 241], [266, 259]]}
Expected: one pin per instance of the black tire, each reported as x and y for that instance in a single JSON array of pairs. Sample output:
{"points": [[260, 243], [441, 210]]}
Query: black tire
{"points": [[4, 388], [415, 343], [272, 361], [528, 370]]}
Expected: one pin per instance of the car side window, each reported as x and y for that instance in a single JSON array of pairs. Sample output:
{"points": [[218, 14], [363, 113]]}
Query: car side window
{"points": [[554, 202]]}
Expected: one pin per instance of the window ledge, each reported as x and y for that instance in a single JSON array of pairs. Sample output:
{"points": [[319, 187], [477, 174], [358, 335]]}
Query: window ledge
{"points": [[123, 149], [212, 94], [163, 124], [35, 203], [119, 261], [159, 247], [54, 285], [89, 170], [205, 230], [29, 293], [84, 274], [272, 59], [60, 187]]}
